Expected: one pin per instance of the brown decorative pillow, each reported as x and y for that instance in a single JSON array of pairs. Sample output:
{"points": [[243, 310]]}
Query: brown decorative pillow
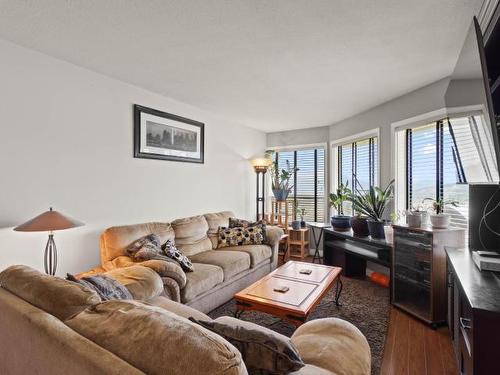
{"points": [[235, 223], [255, 235], [264, 351]]}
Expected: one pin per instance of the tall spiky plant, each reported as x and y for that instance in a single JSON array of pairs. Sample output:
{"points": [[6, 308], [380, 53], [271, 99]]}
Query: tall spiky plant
{"points": [[372, 202]]}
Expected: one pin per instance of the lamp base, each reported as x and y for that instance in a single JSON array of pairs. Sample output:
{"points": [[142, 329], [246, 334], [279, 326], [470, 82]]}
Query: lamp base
{"points": [[50, 257]]}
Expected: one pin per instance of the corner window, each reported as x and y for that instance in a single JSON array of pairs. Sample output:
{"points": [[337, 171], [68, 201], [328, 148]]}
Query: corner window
{"points": [[308, 182], [440, 159], [356, 160]]}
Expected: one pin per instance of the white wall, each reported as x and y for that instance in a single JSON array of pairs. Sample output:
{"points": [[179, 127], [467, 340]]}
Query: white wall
{"points": [[66, 140]]}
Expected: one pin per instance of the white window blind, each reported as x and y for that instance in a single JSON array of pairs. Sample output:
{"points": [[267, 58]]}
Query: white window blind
{"points": [[309, 181], [442, 157], [358, 161]]}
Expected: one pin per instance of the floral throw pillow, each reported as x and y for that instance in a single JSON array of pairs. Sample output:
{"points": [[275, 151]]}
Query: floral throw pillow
{"points": [[254, 235], [172, 252]]}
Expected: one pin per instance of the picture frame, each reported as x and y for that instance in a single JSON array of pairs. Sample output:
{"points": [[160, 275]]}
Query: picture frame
{"points": [[165, 136]]}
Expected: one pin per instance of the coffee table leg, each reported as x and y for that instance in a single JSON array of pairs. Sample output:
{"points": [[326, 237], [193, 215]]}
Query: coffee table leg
{"points": [[338, 290]]}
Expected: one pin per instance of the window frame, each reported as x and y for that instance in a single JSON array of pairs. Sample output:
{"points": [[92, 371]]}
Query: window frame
{"points": [[334, 152], [398, 128], [294, 149]]}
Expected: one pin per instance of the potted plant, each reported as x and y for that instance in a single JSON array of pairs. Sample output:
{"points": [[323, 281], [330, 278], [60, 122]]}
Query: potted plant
{"points": [[441, 220], [297, 224], [414, 217], [340, 221], [359, 224], [302, 214], [281, 180], [373, 203]]}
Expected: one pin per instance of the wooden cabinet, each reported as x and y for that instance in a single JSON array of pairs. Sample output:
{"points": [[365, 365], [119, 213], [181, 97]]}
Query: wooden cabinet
{"points": [[474, 314], [419, 270]]}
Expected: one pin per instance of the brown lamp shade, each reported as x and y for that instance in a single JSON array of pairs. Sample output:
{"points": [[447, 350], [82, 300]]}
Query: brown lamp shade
{"points": [[48, 221]]}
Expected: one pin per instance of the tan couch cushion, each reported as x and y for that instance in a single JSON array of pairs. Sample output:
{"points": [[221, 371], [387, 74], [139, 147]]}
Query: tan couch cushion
{"points": [[179, 309], [142, 282], [115, 240], [258, 253], [204, 278], [191, 235], [54, 295], [216, 220], [344, 349], [157, 341], [231, 262], [312, 370]]}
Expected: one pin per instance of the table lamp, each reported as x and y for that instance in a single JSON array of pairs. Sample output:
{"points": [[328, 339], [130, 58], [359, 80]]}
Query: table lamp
{"points": [[49, 221]]}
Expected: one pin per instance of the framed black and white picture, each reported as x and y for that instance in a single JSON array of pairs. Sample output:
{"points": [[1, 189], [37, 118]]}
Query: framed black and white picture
{"points": [[161, 135]]}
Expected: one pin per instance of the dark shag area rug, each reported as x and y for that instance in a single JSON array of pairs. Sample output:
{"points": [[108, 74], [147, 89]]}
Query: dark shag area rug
{"points": [[364, 304]]}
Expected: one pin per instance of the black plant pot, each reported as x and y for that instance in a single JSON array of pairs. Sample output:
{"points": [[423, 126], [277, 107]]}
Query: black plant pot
{"points": [[360, 226], [302, 224], [341, 223], [376, 229]]}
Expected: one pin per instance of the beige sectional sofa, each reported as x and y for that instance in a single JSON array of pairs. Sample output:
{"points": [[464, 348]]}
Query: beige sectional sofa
{"points": [[52, 326], [218, 274]]}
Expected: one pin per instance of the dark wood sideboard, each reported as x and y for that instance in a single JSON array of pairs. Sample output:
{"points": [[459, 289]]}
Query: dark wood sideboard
{"points": [[473, 314]]}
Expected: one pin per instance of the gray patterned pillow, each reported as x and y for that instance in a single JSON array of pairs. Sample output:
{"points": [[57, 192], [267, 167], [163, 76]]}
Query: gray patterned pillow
{"points": [[145, 248], [172, 252], [107, 287], [264, 352]]}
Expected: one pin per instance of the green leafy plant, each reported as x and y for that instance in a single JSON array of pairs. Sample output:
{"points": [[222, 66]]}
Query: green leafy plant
{"points": [[372, 202], [438, 205], [300, 211], [342, 195], [281, 177]]}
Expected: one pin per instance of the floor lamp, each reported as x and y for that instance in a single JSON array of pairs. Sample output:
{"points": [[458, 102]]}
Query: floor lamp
{"points": [[49, 221], [260, 166]]}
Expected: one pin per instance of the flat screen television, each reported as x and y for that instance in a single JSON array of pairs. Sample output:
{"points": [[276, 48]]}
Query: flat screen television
{"points": [[474, 85]]}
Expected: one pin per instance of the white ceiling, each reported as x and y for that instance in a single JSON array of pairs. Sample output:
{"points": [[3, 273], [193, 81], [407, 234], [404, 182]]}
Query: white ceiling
{"points": [[272, 65]]}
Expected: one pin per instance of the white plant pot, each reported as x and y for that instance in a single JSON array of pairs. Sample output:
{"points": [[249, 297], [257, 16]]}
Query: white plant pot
{"points": [[389, 233], [414, 219], [425, 218], [441, 221]]}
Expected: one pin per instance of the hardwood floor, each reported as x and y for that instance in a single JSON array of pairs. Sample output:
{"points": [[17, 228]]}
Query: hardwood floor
{"points": [[413, 348]]}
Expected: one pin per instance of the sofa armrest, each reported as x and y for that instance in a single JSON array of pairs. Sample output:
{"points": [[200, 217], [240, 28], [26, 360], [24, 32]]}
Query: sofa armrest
{"points": [[143, 283], [167, 269], [335, 345], [273, 236]]}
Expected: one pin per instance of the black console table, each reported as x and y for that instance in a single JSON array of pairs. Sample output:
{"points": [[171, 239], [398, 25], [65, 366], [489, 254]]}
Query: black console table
{"points": [[344, 249]]}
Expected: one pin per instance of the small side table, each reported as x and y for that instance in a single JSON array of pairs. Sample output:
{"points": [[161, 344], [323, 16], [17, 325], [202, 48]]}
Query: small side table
{"points": [[284, 241], [317, 240]]}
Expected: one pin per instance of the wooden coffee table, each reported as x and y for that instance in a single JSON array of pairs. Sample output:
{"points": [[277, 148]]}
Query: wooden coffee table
{"points": [[305, 291]]}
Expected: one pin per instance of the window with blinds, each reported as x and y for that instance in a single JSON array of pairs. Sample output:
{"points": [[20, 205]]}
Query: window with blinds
{"points": [[358, 161], [441, 157], [308, 182]]}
